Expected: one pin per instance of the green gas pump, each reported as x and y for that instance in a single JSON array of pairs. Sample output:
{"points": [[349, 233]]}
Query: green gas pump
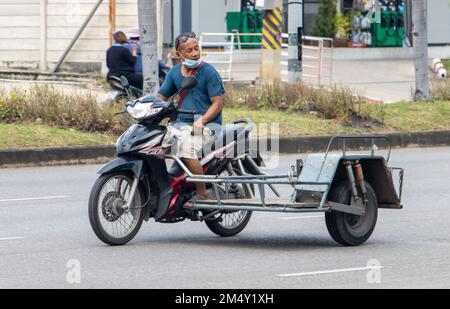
{"points": [[248, 20], [389, 31]]}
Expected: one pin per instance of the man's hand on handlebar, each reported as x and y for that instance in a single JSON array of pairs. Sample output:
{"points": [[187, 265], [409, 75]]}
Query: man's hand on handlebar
{"points": [[198, 127]]}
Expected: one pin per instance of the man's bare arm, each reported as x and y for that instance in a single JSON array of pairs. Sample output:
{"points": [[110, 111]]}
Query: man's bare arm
{"points": [[214, 110], [161, 97]]}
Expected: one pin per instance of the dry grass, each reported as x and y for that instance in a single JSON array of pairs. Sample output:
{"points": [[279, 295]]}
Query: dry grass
{"points": [[43, 104], [441, 89], [335, 103], [298, 109]]}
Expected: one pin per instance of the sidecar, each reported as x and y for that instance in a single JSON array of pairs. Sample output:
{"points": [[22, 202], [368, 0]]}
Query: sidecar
{"points": [[348, 187]]}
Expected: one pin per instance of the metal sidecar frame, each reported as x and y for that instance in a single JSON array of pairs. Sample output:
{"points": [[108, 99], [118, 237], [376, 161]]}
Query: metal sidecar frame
{"points": [[311, 181]]}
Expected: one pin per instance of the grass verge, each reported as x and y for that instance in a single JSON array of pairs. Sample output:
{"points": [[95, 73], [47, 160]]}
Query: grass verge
{"points": [[40, 135], [402, 117]]}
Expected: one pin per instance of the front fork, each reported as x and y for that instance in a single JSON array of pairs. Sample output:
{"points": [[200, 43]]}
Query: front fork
{"points": [[133, 190]]}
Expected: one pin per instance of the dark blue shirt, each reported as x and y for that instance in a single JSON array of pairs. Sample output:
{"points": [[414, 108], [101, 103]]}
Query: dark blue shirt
{"points": [[198, 99], [138, 66]]}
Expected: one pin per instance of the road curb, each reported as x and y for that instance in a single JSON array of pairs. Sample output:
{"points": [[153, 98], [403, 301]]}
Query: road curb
{"points": [[56, 156], [307, 144], [287, 145]]}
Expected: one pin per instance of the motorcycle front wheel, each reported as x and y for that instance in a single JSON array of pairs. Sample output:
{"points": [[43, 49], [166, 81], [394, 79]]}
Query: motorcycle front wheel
{"points": [[110, 222]]}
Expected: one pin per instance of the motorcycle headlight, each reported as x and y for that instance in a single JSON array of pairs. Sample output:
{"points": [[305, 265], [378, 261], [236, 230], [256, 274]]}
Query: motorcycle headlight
{"points": [[141, 111]]}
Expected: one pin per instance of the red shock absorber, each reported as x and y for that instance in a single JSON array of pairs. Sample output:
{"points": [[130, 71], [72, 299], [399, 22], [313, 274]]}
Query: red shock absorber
{"points": [[359, 175]]}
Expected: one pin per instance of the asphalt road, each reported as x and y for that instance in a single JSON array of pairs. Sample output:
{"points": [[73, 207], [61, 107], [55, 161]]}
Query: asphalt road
{"points": [[45, 238]]}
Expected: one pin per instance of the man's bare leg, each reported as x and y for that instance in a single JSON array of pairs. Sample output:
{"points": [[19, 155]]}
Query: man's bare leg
{"points": [[196, 168]]}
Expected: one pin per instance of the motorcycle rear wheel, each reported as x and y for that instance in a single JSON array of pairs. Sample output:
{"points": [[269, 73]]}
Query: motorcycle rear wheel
{"points": [[231, 223]]}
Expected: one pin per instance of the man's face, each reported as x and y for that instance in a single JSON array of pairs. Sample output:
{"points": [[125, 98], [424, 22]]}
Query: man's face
{"points": [[190, 49]]}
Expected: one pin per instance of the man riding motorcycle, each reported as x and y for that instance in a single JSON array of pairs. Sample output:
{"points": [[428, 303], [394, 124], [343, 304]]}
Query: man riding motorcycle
{"points": [[192, 134]]}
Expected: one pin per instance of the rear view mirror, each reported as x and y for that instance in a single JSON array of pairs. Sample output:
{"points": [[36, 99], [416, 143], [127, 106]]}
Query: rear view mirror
{"points": [[189, 82]]}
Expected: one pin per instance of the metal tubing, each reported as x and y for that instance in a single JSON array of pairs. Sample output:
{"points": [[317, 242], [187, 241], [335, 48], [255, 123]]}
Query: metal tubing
{"points": [[344, 138], [255, 208], [262, 195], [256, 182], [43, 36], [216, 192], [372, 137], [241, 168], [77, 36], [189, 174], [255, 166], [252, 179]]}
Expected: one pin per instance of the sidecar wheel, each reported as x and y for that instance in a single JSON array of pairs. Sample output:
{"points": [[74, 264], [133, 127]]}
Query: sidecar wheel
{"points": [[347, 229]]}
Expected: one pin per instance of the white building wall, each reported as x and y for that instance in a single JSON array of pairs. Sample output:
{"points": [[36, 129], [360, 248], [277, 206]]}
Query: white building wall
{"points": [[20, 39], [438, 21], [209, 16], [19, 31]]}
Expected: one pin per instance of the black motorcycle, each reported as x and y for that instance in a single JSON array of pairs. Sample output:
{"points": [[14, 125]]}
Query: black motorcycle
{"points": [[120, 94], [138, 185]]}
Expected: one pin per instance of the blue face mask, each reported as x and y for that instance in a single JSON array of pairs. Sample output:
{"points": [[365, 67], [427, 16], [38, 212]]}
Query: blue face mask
{"points": [[192, 64]]}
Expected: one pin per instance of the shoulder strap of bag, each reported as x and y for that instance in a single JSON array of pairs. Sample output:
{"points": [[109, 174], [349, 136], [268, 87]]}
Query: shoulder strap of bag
{"points": [[185, 91]]}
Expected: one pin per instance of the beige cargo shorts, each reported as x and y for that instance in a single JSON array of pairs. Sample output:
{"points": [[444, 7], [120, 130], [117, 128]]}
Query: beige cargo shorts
{"points": [[185, 145]]}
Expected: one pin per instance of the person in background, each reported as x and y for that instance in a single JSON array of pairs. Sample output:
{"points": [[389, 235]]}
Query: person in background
{"points": [[135, 38], [122, 62]]}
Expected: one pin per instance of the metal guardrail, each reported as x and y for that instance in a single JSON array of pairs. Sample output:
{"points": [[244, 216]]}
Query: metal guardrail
{"points": [[317, 60], [219, 50]]}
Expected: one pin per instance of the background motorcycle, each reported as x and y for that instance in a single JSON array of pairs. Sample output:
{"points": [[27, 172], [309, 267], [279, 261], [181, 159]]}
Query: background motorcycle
{"points": [[120, 93], [138, 185]]}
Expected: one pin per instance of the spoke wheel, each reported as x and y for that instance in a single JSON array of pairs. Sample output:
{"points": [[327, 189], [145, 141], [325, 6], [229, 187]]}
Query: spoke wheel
{"points": [[111, 222], [230, 223]]}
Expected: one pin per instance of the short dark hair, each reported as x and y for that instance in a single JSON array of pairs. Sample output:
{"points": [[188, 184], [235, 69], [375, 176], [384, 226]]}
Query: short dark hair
{"points": [[182, 38], [120, 37]]}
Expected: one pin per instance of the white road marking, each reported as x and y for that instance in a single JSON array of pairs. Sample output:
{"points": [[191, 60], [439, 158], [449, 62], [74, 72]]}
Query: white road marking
{"points": [[305, 217], [314, 273], [11, 238], [34, 199]]}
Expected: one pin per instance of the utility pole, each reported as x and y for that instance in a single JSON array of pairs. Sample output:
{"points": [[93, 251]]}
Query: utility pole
{"points": [[149, 39], [112, 20], [295, 11], [420, 42]]}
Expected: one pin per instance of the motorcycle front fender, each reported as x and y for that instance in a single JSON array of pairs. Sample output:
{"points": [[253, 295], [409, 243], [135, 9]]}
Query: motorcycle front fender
{"points": [[159, 178], [130, 164]]}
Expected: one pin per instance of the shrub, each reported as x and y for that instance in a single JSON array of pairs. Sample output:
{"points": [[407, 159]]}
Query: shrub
{"points": [[45, 104], [325, 22], [337, 102], [441, 89]]}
